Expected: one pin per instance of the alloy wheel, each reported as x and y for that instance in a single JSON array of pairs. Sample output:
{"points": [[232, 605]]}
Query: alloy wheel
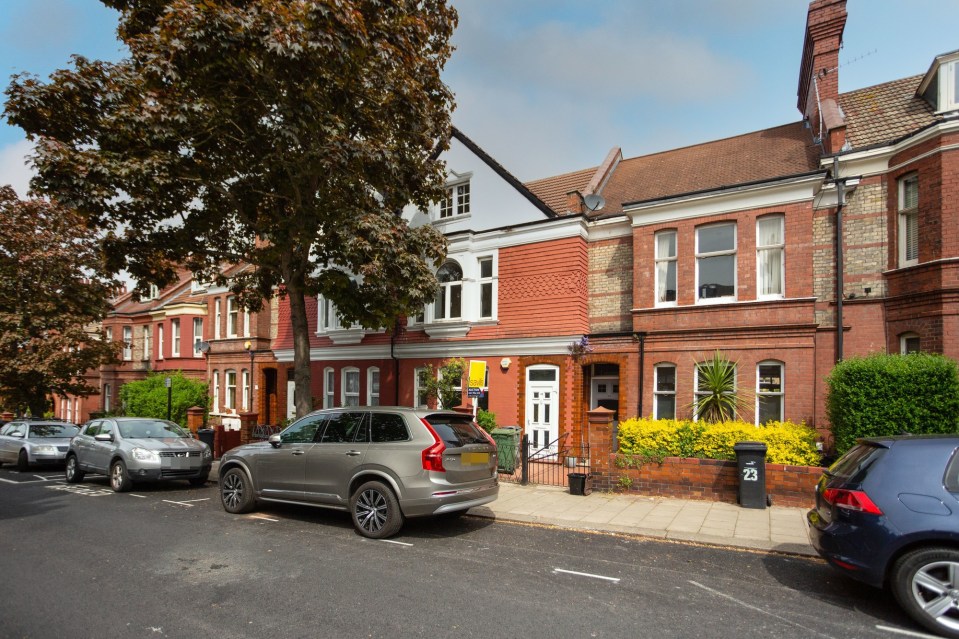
{"points": [[372, 510], [232, 490], [935, 588]]}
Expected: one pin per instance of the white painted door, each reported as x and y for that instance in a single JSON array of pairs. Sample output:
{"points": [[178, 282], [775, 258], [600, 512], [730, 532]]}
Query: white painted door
{"points": [[290, 403], [542, 408]]}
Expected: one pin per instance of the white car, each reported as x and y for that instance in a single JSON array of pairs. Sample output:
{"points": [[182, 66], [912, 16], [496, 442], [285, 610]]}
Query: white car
{"points": [[26, 442]]}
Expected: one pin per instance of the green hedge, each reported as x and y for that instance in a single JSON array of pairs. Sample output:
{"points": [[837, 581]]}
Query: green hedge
{"points": [[890, 394], [787, 443], [148, 397]]}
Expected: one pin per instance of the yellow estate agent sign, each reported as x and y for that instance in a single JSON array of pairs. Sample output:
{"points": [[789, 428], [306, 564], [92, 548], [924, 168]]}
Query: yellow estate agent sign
{"points": [[477, 378]]}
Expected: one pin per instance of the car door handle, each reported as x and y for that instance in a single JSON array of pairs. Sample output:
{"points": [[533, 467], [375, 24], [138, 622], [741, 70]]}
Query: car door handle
{"points": [[353, 453], [297, 452]]}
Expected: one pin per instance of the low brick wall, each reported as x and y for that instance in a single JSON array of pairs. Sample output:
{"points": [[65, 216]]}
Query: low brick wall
{"points": [[710, 479]]}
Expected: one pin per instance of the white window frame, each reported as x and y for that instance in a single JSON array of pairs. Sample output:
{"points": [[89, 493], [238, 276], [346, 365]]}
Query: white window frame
{"points": [[216, 391], [108, 333], [657, 393], [904, 343], [229, 389], [175, 336], [373, 386], [107, 398], [948, 87], [781, 393], [160, 344], [483, 282], [232, 317], [779, 247], [329, 392], [245, 382], [447, 288], [127, 343], [147, 342], [733, 252], [197, 336], [905, 214], [345, 395], [246, 323], [457, 202], [217, 319], [665, 260], [417, 373]]}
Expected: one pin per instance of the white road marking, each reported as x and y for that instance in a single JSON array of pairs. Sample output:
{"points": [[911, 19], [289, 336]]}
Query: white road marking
{"points": [[186, 502], [907, 633], [263, 518], [48, 477], [398, 543], [32, 481], [136, 495], [586, 574], [82, 490], [757, 609], [8, 481]]}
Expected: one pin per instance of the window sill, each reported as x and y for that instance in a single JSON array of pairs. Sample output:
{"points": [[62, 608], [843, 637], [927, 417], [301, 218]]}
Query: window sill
{"points": [[346, 336], [447, 330], [438, 221]]}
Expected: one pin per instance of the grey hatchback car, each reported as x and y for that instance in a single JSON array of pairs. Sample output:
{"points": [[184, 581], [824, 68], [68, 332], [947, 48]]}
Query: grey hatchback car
{"points": [[135, 449], [382, 464]]}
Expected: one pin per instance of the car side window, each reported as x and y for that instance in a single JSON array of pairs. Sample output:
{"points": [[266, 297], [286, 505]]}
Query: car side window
{"points": [[388, 427], [17, 429], [303, 431], [341, 428], [92, 429], [106, 428], [951, 480], [5, 429]]}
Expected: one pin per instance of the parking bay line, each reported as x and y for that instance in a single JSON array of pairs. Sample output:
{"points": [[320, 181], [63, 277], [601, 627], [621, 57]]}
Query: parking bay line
{"points": [[263, 518], [907, 633], [32, 481], [186, 502], [615, 580], [398, 543]]}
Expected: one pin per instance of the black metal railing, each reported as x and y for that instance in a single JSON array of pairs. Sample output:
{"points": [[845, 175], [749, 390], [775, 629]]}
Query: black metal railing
{"points": [[263, 431], [522, 462]]}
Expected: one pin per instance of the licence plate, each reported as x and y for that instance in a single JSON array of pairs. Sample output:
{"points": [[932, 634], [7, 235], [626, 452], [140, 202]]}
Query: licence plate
{"points": [[473, 459]]}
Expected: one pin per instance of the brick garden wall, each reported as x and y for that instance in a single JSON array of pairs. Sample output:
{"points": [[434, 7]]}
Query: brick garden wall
{"points": [[710, 479]]}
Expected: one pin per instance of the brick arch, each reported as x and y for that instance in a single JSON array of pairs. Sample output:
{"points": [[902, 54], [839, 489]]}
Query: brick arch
{"points": [[561, 361], [580, 403]]}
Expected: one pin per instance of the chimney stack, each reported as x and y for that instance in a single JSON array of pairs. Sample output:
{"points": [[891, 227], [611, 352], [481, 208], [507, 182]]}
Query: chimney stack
{"points": [[818, 73]]}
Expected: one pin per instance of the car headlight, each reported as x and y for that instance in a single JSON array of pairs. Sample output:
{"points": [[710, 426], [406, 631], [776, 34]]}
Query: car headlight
{"points": [[44, 449], [142, 454], [207, 453]]}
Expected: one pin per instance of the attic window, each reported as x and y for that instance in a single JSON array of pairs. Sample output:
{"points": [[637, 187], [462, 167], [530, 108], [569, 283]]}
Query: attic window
{"points": [[940, 87], [456, 202]]}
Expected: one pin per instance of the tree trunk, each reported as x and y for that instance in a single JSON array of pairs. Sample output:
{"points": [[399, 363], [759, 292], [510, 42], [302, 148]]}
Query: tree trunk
{"points": [[302, 373]]}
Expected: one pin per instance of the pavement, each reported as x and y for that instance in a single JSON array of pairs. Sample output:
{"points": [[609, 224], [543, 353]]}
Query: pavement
{"points": [[774, 529]]}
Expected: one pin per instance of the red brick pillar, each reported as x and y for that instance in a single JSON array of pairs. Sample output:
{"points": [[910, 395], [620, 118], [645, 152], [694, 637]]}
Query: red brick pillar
{"points": [[247, 423], [7, 416], [194, 418], [600, 422]]}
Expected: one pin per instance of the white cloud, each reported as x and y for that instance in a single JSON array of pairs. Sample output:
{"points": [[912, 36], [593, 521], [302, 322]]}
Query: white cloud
{"points": [[13, 166]]}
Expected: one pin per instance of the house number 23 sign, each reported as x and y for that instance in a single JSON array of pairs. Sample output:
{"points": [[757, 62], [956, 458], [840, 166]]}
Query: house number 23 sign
{"points": [[750, 474]]}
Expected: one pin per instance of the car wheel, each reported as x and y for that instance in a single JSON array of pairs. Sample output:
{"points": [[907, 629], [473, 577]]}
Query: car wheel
{"points": [[376, 512], [119, 480], [23, 462], [236, 492], [926, 585], [73, 473]]}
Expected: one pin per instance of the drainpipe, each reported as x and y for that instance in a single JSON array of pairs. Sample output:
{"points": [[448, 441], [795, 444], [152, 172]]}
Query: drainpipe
{"points": [[642, 368], [840, 188]]}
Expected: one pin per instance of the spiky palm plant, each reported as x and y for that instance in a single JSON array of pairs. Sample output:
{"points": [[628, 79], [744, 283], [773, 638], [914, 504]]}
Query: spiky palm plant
{"points": [[717, 398]]}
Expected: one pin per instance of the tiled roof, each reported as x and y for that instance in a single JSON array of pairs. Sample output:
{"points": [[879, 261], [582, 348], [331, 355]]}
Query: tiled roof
{"points": [[553, 190], [753, 157], [885, 112]]}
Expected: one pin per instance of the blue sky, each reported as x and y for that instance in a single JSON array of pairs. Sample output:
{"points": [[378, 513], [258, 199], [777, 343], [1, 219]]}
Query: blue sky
{"points": [[550, 86]]}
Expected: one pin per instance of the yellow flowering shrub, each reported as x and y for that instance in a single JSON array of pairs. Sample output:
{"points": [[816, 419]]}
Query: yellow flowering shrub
{"points": [[787, 442]]}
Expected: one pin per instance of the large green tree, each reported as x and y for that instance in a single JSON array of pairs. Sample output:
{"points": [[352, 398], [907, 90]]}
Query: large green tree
{"points": [[288, 134], [51, 302]]}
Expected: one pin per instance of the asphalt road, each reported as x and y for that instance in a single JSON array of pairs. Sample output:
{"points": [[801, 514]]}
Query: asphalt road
{"points": [[167, 561]]}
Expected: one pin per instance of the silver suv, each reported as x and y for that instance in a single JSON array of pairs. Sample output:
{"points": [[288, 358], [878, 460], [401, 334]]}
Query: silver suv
{"points": [[381, 463], [135, 449]]}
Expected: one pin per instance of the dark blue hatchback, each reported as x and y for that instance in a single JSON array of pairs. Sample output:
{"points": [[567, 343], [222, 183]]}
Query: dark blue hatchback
{"points": [[887, 514]]}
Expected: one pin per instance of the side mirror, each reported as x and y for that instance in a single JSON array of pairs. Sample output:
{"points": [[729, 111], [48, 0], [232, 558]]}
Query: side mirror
{"points": [[275, 441], [18, 435], [104, 437]]}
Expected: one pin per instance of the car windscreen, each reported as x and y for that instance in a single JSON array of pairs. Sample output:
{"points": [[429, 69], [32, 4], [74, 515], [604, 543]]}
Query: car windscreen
{"points": [[456, 431], [856, 462], [150, 429], [39, 431]]}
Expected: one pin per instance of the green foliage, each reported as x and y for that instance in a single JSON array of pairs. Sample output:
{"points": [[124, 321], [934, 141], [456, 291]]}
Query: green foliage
{"points": [[890, 394], [148, 397], [649, 439], [448, 387], [52, 297], [486, 420], [285, 135], [719, 399]]}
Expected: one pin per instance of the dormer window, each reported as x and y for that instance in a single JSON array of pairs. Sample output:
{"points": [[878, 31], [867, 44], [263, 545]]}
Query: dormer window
{"points": [[940, 87], [456, 202]]}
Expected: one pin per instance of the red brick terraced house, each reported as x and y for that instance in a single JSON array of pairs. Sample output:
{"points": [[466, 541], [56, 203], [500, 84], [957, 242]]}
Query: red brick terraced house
{"points": [[732, 245]]}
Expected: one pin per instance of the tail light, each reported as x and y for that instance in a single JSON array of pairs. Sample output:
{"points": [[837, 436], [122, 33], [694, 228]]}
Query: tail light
{"points": [[855, 500], [433, 456]]}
